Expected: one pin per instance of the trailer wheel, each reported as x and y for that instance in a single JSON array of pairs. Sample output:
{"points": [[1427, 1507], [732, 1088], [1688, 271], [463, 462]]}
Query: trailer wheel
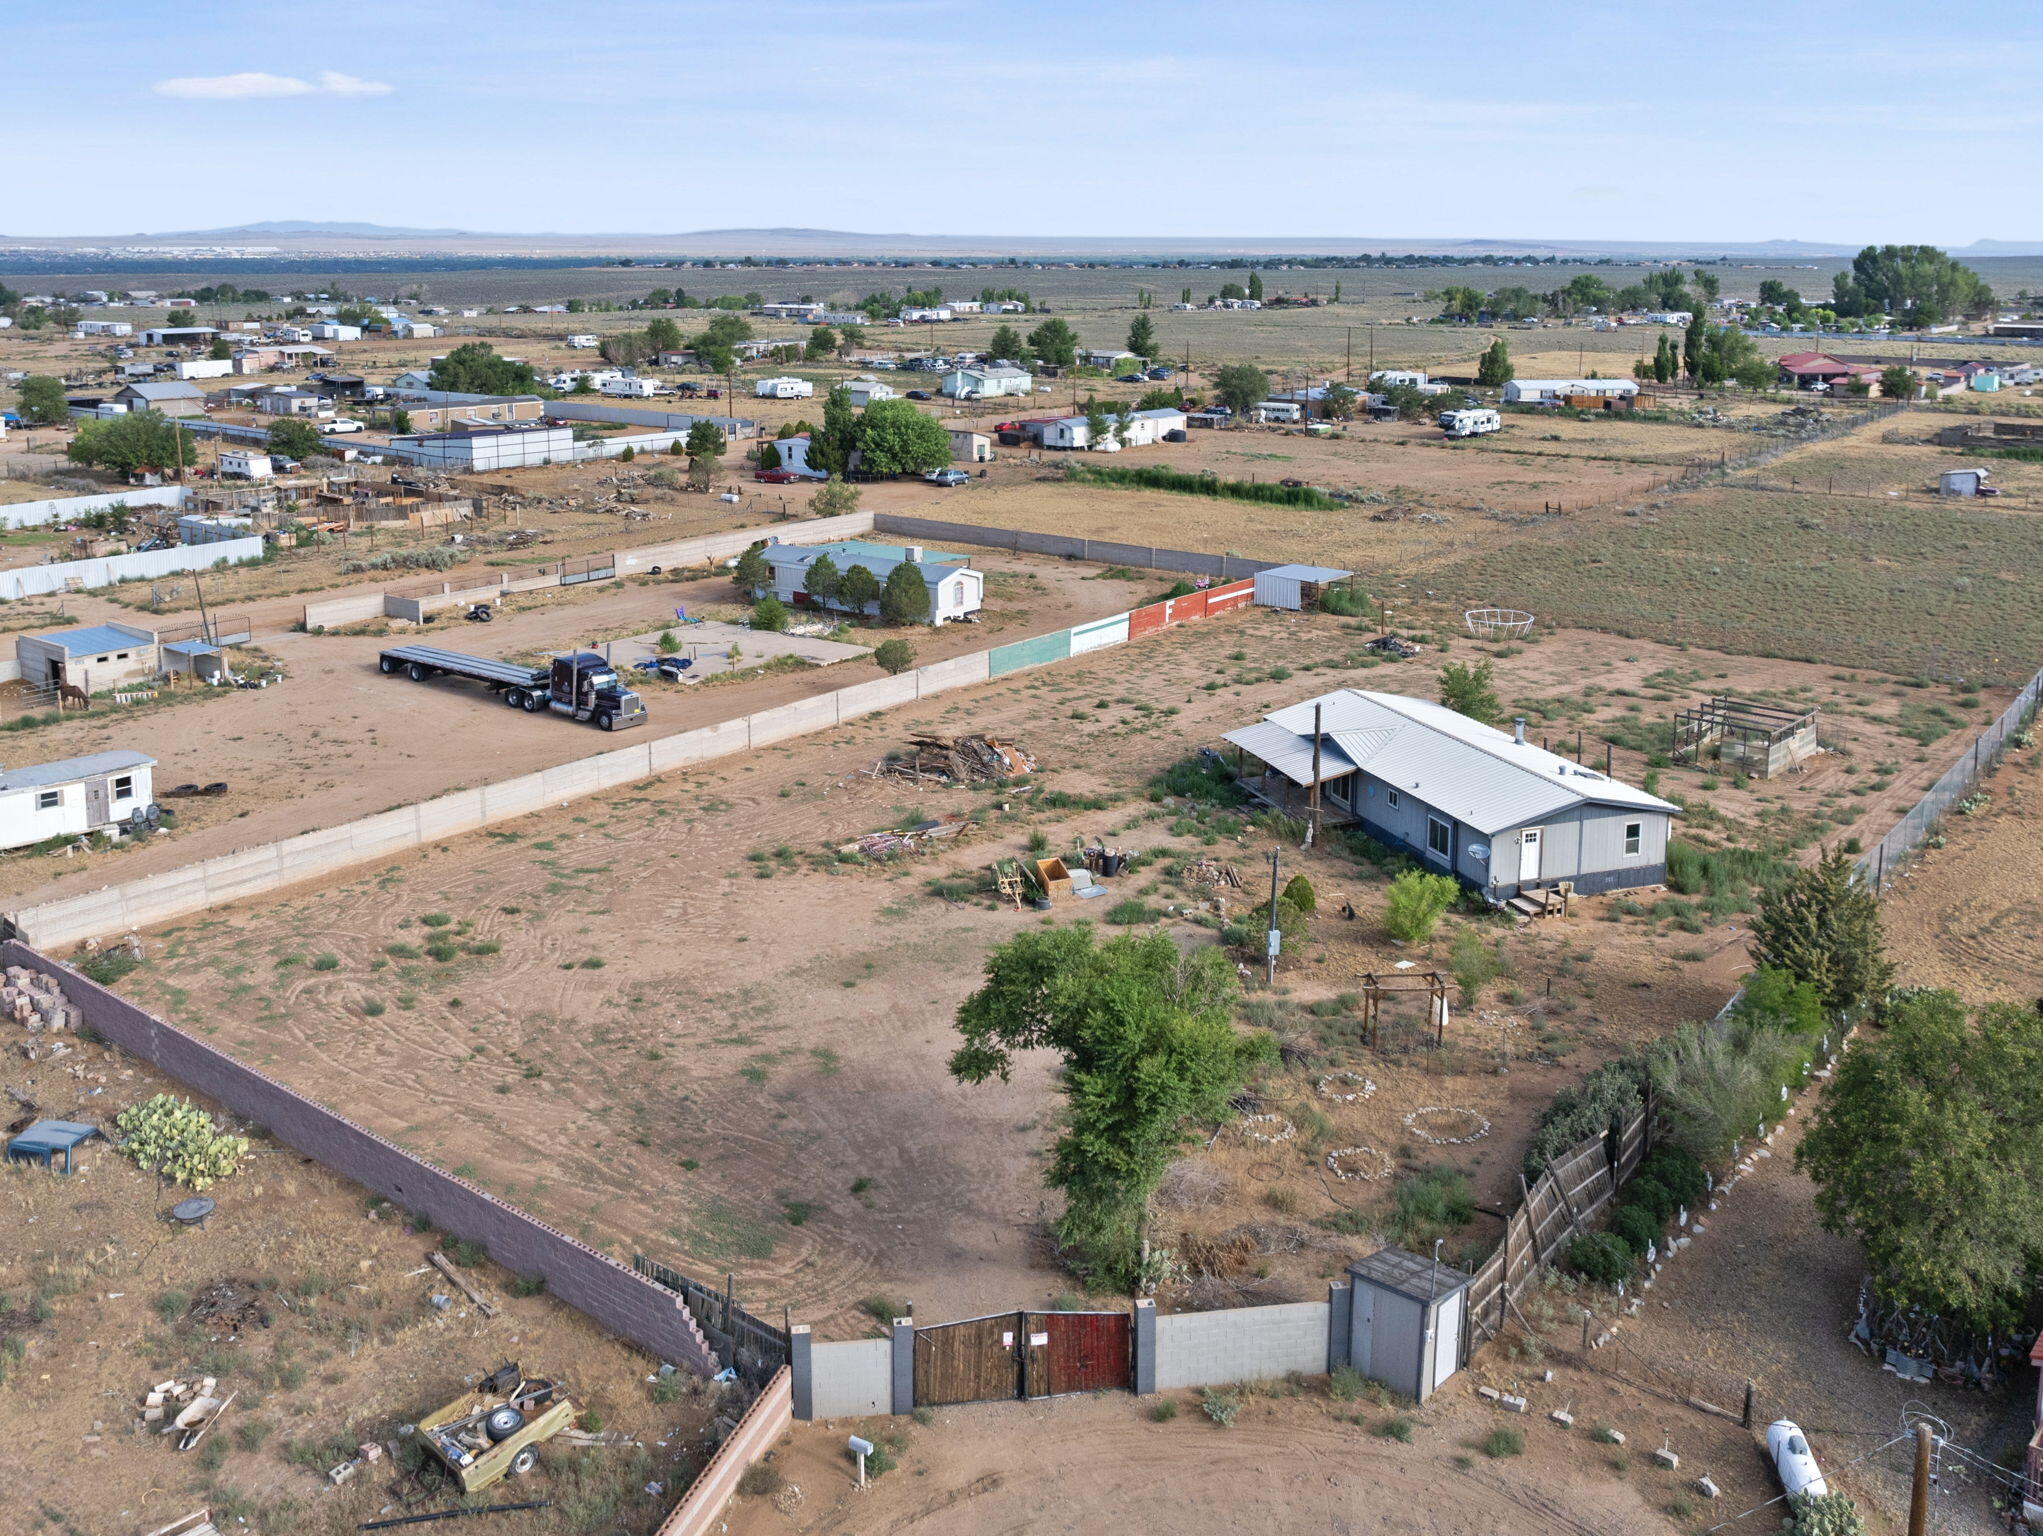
{"points": [[523, 1462], [386, 664], [515, 697], [417, 671], [503, 1423]]}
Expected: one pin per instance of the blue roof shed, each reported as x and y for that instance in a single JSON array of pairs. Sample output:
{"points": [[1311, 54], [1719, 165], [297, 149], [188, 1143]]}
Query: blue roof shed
{"points": [[41, 1142]]}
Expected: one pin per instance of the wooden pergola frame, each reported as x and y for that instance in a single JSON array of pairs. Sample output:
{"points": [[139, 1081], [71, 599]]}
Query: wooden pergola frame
{"points": [[1722, 716], [1376, 988]]}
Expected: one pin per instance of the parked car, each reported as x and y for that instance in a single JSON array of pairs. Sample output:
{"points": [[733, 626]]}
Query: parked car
{"points": [[947, 477], [341, 424], [1159, 372], [918, 394], [777, 476], [1128, 378]]}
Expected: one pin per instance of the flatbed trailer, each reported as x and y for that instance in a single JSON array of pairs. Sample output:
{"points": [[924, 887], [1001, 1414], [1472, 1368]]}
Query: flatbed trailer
{"points": [[579, 684]]}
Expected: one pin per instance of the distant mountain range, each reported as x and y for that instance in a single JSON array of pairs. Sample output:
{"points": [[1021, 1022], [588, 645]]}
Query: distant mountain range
{"points": [[311, 237]]}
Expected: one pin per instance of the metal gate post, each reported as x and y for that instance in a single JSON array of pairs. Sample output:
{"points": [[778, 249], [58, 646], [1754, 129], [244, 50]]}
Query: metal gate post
{"points": [[904, 1365], [801, 1371], [1340, 1325]]}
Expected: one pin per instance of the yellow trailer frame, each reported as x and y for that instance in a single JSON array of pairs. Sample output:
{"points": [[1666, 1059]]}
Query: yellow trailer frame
{"points": [[513, 1456]]}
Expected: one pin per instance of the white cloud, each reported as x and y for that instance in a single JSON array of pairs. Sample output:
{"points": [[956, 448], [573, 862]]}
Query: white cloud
{"points": [[251, 84]]}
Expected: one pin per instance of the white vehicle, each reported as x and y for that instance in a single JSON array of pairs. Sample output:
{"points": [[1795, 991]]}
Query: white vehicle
{"points": [[1470, 423], [340, 424], [1792, 1460], [637, 389]]}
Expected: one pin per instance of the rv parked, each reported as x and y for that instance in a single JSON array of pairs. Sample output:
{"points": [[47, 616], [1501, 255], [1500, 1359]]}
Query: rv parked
{"points": [[1471, 423]]}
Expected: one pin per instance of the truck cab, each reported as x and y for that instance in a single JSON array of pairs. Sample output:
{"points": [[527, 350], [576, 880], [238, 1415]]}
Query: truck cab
{"points": [[583, 686]]}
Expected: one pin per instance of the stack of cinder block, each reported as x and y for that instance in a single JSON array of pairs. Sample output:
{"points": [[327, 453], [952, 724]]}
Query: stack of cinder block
{"points": [[36, 1003]]}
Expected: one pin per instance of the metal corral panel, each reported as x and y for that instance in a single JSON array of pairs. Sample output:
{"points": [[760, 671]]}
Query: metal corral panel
{"points": [[1099, 634], [1028, 653]]}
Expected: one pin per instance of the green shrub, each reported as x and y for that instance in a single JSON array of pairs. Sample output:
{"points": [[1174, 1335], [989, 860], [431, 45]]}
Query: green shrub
{"points": [[1830, 1514], [1219, 1406], [1299, 892], [1129, 913], [326, 962], [1599, 1104], [1414, 902], [1206, 779], [1635, 1227], [1682, 1175], [1651, 1196], [1473, 964], [1601, 1257], [1164, 1411], [1436, 1203], [1397, 1427], [178, 1140], [1503, 1441]]}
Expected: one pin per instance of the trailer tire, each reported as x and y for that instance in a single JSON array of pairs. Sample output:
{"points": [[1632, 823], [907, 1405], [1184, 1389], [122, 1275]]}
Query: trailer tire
{"points": [[417, 671], [515, 697], [503, 1423], [523, 1462], [385, 664]]}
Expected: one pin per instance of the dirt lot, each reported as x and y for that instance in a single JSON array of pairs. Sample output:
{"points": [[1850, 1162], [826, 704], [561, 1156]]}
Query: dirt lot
{"points": [[104, 1298], [682, 976], [337, 739]]}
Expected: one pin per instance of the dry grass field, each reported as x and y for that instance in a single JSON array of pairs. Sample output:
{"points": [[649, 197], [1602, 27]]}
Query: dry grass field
{"points": [[673, 1018]]}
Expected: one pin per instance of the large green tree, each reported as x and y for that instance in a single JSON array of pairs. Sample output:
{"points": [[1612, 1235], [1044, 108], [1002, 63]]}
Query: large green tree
{"points": [[904, 597], [858, 590], [894, 438], [1898, 382], [1241, 387], [704, 446], [1007, 345], [832, 444], [1054, 341], [1147, 1051], [475, 368], [295, 439], [1471, 690], [1917, 284], [41, 401], [822, 580], [663, 334], [138, 440], [1494, 369], [1142, 337], [1928, 1148], [1822, 926]]}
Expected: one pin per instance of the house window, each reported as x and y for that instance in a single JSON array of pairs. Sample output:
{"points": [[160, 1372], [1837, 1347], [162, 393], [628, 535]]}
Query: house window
{"points": [[48, 799], [124, 787], [1392, 797], [1439, 838], [1634, 838], [121, 656]]}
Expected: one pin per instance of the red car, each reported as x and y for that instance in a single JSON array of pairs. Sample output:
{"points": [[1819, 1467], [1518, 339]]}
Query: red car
{"points": [[776, 476]]}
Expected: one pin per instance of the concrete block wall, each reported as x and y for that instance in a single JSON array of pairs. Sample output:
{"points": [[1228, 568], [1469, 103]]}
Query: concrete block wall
{"points": [[630, 1306], [61, 509], [356, 608], [1210, 1349], [701, 1508], [846, 1380], [31, 580]]}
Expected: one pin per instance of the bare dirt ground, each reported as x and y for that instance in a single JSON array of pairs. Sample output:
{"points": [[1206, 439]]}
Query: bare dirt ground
{"points": [[340, 1347], [1966, 915], [1297, 1462], [681, 977], [338, 739]]}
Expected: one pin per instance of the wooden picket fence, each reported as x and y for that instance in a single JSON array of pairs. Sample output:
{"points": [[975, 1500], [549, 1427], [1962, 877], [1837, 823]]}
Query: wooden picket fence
{"points": [[1559, 1206]]}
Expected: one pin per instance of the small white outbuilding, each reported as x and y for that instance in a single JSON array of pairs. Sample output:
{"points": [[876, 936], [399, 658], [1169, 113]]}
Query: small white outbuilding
{"points": [[74, 797]]}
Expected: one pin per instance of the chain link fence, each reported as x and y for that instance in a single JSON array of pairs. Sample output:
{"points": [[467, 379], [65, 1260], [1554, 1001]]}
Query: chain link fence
{"points": [[1880, 863]]}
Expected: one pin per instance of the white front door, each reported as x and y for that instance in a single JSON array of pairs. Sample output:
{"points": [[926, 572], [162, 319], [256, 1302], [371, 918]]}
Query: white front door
{"points": [[1447, 1341], [97, 813], [1528, 855]]}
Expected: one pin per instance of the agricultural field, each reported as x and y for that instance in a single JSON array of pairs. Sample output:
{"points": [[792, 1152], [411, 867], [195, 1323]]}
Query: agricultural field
{"points": [[678, 1017], [302, 1296]]}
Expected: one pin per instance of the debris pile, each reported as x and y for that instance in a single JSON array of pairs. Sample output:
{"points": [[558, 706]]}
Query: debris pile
{"points": [[229, 1308], [1214, 872], [898, 843], [955, 760], [37, 1003], [1795, 421], [187, 1409]]}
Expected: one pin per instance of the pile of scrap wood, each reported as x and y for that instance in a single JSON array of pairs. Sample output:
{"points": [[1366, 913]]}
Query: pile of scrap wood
{"points": [[1212, 872], [955, 760], [893, 843]]}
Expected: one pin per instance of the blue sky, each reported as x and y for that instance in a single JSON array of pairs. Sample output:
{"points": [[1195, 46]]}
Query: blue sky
{"points": [[1574, 119]]}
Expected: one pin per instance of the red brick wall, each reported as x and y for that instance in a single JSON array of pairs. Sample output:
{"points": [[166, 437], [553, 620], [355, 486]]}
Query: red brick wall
{"points": [[634, 1308]]}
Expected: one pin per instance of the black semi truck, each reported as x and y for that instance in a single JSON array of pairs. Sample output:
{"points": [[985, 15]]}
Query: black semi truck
{"points": [[581, 684]]}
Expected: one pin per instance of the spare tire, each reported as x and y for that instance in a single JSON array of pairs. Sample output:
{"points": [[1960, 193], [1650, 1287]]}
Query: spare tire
{"points": [[502, 1424]]}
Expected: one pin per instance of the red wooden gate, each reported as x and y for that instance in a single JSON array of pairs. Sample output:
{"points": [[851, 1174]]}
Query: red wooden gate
{"points": [[1022, 1355]]}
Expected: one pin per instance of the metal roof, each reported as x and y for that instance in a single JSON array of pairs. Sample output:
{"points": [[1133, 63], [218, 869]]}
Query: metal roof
{"points": [[1409, 1275], [1475, 773], [177, 391], [1318, 573], [96, 639], [936, 566], [69, 770]]}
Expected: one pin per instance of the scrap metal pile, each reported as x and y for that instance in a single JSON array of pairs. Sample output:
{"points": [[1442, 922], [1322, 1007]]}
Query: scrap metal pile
{"points": [[955, 760]]}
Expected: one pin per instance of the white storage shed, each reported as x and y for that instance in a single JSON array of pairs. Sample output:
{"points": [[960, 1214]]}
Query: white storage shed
{"points": [[1294, 586]]}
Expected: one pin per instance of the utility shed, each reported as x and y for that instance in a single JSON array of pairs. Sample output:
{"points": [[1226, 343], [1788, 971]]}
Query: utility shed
{"points": [[96, 657], [1406, 1328], [1962, 482], [1296, 587], [47, 1140]]}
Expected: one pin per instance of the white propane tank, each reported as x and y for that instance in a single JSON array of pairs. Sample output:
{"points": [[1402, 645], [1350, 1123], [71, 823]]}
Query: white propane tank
{"points": [[1792, 1460]]}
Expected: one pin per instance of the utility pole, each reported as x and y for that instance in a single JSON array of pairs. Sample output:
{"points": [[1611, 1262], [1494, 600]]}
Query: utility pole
{"points": [[1351, 355], [1312, 816], [1271, 937], [1918, 1495]]}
